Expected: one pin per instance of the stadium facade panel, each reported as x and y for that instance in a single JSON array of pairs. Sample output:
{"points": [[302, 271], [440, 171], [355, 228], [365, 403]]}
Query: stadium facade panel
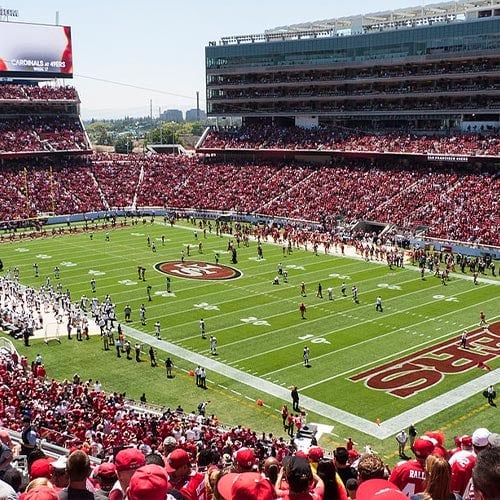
{"points": [[434, 76]]}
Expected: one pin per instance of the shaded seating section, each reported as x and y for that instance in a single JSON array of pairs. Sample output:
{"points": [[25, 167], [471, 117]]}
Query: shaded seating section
{"points": [[337, 139]]}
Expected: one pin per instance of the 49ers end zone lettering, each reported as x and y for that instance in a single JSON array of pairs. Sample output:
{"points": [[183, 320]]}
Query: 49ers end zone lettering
{"points": [[416, 372], [197, 270]]}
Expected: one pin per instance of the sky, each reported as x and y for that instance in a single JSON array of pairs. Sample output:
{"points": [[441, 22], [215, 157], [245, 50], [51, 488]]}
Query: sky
{"points": [[133, 57]]}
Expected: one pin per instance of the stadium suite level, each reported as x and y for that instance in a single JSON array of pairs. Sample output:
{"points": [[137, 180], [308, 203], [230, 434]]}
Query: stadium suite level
{"points": [[369, 76]]}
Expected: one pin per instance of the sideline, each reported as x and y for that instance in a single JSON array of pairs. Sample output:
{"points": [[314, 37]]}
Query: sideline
{"points": [[381, 431], [351, 253], [384, 430]]}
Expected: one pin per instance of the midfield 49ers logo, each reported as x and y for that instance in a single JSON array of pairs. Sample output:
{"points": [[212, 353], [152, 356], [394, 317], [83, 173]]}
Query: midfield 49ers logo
{"points": [[196, 270], [419, 371]]}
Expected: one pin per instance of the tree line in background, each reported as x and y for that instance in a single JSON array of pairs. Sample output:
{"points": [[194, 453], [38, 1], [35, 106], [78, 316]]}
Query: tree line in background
{"points": [[129, 134]]}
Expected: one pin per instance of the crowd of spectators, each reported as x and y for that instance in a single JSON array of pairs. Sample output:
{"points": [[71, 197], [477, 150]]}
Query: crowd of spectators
{"points": [[293, 105], [453, 203], [332, 138], [403, 88], [385, 74], [60, 190], [37, 133], [37, 93], [198, 457], [148, 455]]}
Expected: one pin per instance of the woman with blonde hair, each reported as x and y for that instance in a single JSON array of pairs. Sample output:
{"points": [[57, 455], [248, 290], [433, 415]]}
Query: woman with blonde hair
{"points": [[211, 479], [437, 481]]}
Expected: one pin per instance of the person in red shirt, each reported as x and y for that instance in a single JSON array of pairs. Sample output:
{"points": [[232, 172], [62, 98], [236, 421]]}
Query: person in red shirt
{"points": [[349, 444], [41, 372], [302, 309], [191, 484], [409, 475], [127, 461], [462, 462], [482, 318]]}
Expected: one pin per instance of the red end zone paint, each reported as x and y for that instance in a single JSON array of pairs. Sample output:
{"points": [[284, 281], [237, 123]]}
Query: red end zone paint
{"points": [[416, 372], [197, 270]]}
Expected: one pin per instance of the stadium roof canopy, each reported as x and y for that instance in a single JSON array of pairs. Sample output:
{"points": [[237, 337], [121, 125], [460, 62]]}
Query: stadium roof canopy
{"points": [[445, 12]]}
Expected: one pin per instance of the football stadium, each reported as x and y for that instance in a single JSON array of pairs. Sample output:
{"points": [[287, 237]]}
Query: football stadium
{"points": [[319, 282]]}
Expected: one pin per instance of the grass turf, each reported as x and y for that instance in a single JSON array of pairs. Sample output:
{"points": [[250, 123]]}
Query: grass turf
{"points": [[258, 326]]}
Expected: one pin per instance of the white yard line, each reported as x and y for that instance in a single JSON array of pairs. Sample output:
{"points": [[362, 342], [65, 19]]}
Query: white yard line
{"points": [[382, 431]]}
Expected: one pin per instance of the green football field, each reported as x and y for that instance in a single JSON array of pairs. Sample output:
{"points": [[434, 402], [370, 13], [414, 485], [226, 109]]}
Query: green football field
{"points": [[370, 372]]}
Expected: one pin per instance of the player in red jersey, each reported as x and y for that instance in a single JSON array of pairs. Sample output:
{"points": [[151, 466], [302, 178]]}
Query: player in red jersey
{"points": [[409, 475], [482, 318], [462, 462]]}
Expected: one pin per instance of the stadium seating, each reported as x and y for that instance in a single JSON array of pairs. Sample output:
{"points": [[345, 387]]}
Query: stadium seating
{"points": [[455, 203], [447, 201], [332, 138]]}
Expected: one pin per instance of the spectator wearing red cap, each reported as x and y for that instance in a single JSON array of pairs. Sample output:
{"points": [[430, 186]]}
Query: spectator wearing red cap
{"points": [[78, 467], [149, 482], [353, 456], [105, 477], [244, 460], [245, 486], [458, 446], [127, 461], [42, 468], [462, 462], [409, 476], [180, 475], [314, 455], [381, 489]]}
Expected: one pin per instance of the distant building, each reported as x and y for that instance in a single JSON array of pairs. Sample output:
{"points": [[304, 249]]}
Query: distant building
{"points": [[194, 115], [172, 115]]}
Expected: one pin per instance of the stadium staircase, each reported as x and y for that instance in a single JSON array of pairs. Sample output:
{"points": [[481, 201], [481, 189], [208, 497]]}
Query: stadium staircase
{"points": [[201, 140], [99, 190]]}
